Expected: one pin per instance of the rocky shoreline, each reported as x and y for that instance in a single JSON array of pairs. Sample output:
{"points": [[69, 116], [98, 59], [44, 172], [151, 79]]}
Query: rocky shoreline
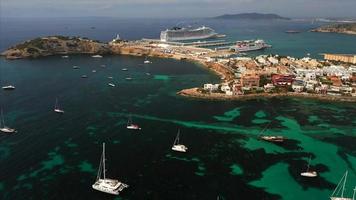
{"points": [[196, 94], [348, 28], [60, 45]]}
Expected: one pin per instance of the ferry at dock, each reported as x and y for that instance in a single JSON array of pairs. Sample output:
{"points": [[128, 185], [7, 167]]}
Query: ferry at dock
{"points": [[250, 45]]}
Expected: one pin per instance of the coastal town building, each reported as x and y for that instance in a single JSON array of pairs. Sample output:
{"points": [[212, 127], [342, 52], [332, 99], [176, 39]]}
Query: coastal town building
{"points": [[347, 58], [335, 80], [250, 80], [282, 80], [211, 87]]}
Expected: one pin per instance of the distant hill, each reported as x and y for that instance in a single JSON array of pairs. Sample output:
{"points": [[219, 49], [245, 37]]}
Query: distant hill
{"points": [[347, 28], [254, 16]]}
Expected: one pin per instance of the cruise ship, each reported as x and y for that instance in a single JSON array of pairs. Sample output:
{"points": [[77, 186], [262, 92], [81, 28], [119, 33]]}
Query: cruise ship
{"points": [[187, 33], [250, 45]]}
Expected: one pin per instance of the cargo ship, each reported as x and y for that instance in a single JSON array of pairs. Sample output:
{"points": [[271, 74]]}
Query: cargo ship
{"points": [[250, 45], [188, 33]]}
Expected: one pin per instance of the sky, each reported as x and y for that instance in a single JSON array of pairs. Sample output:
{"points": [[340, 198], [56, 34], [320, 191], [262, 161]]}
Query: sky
{"points": [[175, 8]]}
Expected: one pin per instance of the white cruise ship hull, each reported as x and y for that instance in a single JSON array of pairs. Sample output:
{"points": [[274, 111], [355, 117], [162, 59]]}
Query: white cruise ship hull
{"points": [[174, 39]]}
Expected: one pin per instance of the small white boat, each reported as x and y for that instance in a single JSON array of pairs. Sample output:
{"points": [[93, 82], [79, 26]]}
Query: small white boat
{"points": [[128, 78], [65, 56], [110, 77], [84, 76], [75, 67], [131, 126], [309, 173], [57, 108], [147, 61], [273, 138], [8, 87], [148, 74], [124, 69], [177, 146], [112, 84], [103, 184], [93, 71], [96, 56], [339, 191], [3, 127]]}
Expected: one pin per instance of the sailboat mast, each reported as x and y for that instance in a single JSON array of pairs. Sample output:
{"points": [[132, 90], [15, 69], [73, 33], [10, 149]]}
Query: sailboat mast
{"points": [[178, 136], [343, 186], [308, 164], [104, 169], [2, 119]]}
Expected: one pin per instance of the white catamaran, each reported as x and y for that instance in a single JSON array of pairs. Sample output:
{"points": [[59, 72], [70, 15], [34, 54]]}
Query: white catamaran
{"points": [[309, 173], [103, 184], [339, 191], [57, 109], [177, 146], [3, 127]]}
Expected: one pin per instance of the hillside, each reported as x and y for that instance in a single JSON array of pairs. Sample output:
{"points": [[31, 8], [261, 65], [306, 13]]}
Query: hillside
{"points": [[346, 28], [252, 16], [55, 45]]}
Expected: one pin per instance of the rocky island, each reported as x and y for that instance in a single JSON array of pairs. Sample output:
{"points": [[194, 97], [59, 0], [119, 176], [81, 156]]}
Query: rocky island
{"points": [[345, 28], [242, 78], [55, 45]]}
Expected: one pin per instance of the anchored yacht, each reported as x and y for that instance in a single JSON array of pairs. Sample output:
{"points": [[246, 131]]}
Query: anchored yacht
{"points": [[103, 184], [57, 108], [177, 146], [3, 127], [8, 87], [339, 191], [131, 126], [309, 173]]}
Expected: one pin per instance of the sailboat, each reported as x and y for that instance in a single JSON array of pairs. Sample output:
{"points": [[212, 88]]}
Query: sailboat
{"points": [[271, 138], [309, 173], [338, 193], [177, 146], [57, 109], [103, 184], [131, 126], [3, 127]]}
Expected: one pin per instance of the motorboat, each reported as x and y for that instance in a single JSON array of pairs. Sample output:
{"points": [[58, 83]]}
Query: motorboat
{"points": [[131, 126], [8, 87]]}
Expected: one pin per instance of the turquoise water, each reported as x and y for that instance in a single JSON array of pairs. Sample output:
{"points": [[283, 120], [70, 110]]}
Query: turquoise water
{"points": [[56, 156]]}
